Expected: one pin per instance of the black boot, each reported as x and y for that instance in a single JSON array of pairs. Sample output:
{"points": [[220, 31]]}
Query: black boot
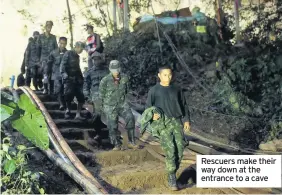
{"points": [[131, 140], [34, 81], [172, 181], [115, 142], [27, 81]]}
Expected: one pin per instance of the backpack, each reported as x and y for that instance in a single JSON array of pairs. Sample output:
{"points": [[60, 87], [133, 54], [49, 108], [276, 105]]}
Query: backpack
{"points": [[20, 80], [102, 44]]}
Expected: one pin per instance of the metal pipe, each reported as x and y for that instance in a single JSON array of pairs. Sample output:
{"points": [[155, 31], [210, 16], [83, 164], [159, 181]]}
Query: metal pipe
{"points": [[73, 158]]}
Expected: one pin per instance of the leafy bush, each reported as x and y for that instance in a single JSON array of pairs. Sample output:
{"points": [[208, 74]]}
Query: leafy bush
{"points": [[15, 176]]}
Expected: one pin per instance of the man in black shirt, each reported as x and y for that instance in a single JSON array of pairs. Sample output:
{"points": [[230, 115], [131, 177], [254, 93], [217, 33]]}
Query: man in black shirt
{"points": [[73, 79], [53, 63], [170, 99]]}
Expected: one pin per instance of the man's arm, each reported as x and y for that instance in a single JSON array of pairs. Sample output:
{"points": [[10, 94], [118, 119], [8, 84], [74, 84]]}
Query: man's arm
{"points": [[39, 46], [185, 107], [27, 54], [150, 99], [50, 62], [55, 43], [87, 84], [63, 65], [102, 90]]}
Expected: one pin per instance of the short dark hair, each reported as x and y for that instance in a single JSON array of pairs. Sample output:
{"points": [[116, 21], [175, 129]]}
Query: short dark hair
{"points": [[164, 67], [63, 39], [80, 44], [89, 26]]}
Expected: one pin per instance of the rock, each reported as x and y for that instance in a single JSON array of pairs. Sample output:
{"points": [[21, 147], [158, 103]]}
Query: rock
{"points": [[274, 145], [210, 74], [268, 146]]}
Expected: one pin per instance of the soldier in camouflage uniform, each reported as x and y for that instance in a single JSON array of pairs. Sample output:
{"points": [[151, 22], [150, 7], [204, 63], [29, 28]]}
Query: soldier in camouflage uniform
{"points": [[112, 92], [170, 99], [73, 79], [53, 63], [92, 79], [31, 62], [46, 43]]}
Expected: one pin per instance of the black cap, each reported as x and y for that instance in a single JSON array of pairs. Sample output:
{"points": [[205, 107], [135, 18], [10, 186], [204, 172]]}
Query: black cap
{"points": [[35, 33]]}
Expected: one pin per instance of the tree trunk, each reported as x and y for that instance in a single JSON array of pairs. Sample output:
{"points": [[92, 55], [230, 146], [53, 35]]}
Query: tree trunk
{"points": [[236, 9], [125, 12], [115, 15], [70, 24]]}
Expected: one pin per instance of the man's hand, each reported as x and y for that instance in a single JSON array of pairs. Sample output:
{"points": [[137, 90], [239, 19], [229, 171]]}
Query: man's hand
{"points": [[187, 127], [64, 76], [156, 117]]}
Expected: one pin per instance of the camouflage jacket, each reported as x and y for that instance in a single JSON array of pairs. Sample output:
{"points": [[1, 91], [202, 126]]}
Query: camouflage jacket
{"points": [[31, 57], [70, 66], [147, 123], [45, 45], [92, 79], [54, 61], [112, 94]]}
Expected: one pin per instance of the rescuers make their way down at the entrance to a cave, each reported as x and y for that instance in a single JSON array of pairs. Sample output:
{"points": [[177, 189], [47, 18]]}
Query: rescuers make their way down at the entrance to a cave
{"points": [[171, 101]]}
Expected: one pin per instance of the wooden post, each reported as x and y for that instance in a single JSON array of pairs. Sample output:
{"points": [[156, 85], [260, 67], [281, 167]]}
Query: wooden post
{"points": [[115, 15], [219, 13], [125, 12], [236, 9]]}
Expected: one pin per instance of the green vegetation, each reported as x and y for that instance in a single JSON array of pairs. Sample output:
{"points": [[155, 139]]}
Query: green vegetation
{"points": [[23, 115], [15, 176], [26, 118]]}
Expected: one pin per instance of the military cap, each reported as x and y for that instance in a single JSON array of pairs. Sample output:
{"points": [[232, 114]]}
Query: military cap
{"points": [[35, 33], [114, 66], [96, 54], [49, 23]]}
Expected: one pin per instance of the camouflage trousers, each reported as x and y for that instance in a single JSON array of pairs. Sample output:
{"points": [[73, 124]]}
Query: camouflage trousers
{"points": [[172, 143], [112, 113], [96, 102], [34, 74], [59, 91]]}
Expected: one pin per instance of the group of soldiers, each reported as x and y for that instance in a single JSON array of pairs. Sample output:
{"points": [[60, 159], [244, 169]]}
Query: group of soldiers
{"points": [[57, 70]]}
